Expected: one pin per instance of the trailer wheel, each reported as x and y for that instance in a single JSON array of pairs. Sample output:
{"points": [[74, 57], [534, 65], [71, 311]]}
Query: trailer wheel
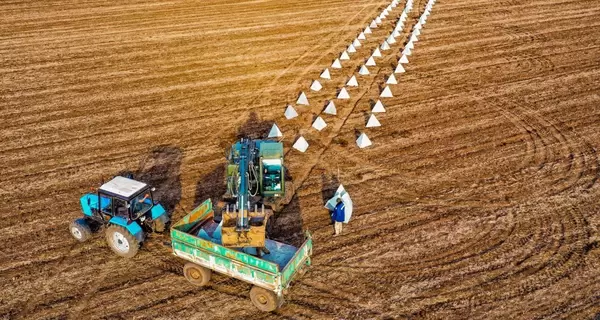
{"points": [[80, 230], [196, 275], [265, 300], [121, 241]]}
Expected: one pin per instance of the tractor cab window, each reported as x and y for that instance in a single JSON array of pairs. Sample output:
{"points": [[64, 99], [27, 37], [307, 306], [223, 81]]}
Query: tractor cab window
{"points": [[141, 204], [106, 205], [120, 208], [272, 174]]}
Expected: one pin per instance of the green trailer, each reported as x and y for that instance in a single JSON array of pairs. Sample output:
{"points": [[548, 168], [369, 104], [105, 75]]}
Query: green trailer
{"points": [[196, 238]]}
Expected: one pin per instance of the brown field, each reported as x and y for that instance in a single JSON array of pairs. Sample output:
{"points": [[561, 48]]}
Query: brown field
{"points": [[479, 199]]}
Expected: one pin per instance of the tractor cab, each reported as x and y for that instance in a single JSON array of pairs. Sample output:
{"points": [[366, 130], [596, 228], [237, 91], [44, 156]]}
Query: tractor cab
{"points": [[126, 207], [124, 197]]}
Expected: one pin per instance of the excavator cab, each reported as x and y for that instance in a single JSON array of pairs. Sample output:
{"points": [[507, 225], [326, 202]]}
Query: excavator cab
{"points": [[272, 175]]}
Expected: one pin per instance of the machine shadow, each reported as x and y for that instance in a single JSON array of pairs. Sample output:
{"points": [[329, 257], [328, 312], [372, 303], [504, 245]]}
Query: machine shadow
{"points": [[254, 128], [161, 169], [287, 225], [211, 185]]}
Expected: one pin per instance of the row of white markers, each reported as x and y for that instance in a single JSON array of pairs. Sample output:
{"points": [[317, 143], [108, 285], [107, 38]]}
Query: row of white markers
{"points": [[319, 124]]}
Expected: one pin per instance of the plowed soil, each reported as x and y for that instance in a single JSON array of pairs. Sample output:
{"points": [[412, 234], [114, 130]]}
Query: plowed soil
{"points": [[479, 198]]}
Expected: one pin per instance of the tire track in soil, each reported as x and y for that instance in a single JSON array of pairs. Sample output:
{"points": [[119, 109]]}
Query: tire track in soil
{"points": [[547, 137], [549, 245], [339, 124], [555, 134], [97, 287], [310, 68]]}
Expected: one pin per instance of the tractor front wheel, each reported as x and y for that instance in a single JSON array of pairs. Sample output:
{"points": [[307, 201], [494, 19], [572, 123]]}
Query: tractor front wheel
{"points": [[80, 230], [121, 241], [196, 275], [265, 300]]}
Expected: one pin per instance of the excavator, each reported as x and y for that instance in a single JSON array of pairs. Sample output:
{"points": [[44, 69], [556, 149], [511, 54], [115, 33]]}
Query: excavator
{"points": [[256, 188]]}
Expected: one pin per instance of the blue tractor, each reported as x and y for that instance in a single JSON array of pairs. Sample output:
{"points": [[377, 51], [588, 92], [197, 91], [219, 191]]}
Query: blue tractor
{"points": [[126, 208]]}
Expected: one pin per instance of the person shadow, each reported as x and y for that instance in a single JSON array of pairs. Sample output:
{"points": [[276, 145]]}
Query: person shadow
{"points": [[329, 186]]}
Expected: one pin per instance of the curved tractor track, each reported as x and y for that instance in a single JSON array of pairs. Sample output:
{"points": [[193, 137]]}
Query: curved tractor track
{"points": [[479, 198]]}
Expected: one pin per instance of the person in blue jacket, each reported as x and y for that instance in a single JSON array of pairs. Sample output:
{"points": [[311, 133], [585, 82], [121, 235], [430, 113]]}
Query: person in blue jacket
{"points": [[338, 216]]}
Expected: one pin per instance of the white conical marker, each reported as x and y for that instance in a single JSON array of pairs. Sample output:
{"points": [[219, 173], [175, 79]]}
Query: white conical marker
{"points": [[343, 94], [356, 43], [403, 17], [352, 82], [414, 38], [330, 109], [391, 39], [396, 33], [403, 59], [386, 93], [370, 62], [406, 52], [275, 132], [302, 99], [376, 53], [399, 69], [316, 86], [344, 56], [325, 74], [392, 79], [399, 26], [367, 30], [373, 24], [363, 141], [417, 32], [378, 20], [361, 36], [319, 124], [385, 46], [363, 70], [410, 45], [290, 112], [336, 64], [378, 107], [351, 49], [301, 144], [373, 122]]}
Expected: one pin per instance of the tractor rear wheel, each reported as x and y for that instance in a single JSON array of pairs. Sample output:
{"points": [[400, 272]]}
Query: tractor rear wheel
{"points": [[265, 300], [196, 275], [80, 229], [121, 241]]}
